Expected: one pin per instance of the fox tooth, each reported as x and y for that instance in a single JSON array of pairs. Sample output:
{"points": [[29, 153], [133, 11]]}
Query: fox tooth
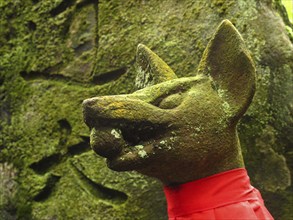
{"points": [[142, 153], [116, 133], [139, 147]]}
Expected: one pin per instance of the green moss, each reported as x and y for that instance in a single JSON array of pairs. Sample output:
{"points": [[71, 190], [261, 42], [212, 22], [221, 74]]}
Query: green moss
{"points": [[222, 6], [39, 45]]}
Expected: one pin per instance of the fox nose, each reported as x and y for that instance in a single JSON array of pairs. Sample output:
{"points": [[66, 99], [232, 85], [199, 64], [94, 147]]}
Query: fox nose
{"points": [[89, 112], [89, 102]]}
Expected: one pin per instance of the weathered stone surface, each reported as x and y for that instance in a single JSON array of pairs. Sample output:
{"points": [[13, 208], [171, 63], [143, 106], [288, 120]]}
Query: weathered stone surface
{"points": [[54, 54], [178, 129]]}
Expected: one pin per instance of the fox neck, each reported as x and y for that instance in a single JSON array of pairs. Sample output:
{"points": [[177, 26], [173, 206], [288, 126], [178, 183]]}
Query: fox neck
{"points": [[228, 159], [232, 161]]}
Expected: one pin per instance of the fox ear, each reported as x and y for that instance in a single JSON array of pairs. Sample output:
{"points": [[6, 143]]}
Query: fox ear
{"points": [[151, 69], [227, 61]]}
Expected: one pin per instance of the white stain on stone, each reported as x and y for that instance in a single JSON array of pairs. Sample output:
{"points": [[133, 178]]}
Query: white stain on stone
{"points": [[142, 153], [139, 147], [116, 133]]}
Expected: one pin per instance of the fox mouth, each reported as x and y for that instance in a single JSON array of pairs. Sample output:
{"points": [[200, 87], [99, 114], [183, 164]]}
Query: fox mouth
{"points": [[113, 139], [138, 133], [126, 141]]}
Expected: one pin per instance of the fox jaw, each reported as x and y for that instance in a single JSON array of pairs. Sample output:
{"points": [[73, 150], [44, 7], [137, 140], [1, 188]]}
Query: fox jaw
{"points": [[177, 129]]}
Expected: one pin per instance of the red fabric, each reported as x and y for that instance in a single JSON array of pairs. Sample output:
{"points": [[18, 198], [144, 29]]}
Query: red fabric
{"points": [[226, 195]]}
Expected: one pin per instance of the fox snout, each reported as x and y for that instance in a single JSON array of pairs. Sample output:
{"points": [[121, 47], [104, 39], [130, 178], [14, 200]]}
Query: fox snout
{"points": [[120, 109], [122, 128]]}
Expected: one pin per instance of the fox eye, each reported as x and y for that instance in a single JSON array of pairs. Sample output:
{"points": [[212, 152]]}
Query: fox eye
{"points": [[171, 101]]}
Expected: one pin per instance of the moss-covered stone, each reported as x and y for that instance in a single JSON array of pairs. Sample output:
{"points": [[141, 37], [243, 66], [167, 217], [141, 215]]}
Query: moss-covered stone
{"points": [[208, 105], [54, 54]]}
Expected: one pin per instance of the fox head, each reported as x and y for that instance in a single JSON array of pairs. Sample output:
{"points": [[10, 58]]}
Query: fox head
{"points": [[177, 129]]}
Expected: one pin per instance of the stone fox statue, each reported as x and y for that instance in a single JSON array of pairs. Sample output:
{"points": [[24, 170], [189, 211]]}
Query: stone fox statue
{"points": [[182, 131]]}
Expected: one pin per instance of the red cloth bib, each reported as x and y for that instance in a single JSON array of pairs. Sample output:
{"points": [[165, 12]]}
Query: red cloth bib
{"points": [[227, 195]]}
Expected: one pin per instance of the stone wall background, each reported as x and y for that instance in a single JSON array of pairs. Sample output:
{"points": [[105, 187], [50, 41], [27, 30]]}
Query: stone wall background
{"points": [[54, 54]]}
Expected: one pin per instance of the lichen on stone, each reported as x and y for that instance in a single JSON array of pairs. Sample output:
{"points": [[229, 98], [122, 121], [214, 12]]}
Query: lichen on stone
{"points": [[35, 42], [116, 133]]}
